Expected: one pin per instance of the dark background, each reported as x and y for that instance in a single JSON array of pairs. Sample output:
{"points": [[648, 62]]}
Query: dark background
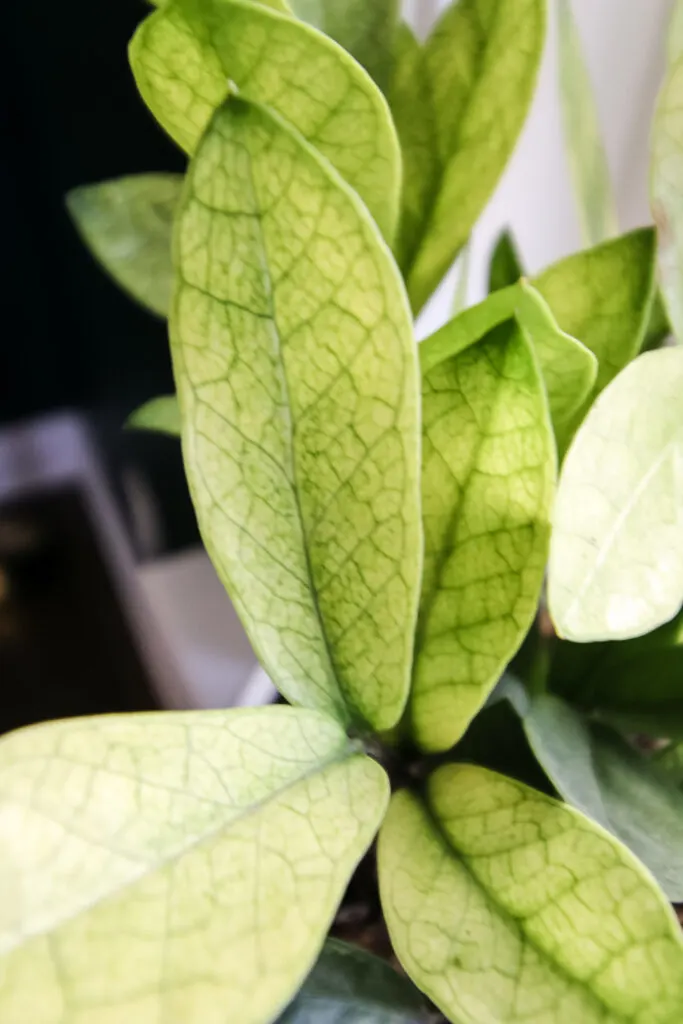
{"points": [[71, 115]]}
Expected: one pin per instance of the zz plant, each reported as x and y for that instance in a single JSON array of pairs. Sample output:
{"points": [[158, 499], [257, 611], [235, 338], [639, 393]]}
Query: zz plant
{"points": [[383, 515]]}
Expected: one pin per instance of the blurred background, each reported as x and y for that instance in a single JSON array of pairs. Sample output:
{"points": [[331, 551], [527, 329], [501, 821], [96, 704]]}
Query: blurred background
{"points": [[107, 601]]}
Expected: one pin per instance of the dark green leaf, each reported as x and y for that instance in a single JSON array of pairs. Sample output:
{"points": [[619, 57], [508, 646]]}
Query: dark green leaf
{"points": [[506, 265], [350, 986]]}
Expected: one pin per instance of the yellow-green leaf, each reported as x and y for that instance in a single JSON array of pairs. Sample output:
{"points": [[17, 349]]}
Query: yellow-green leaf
{"points": [[298, 383], [410, 103], [487, 488], [667, 193], [481, 63], [177, 867], [160, 415], [616, 564], [186, 55], [365, 28], [603, 297], [506, 906], [127, 225], [587, 157]]}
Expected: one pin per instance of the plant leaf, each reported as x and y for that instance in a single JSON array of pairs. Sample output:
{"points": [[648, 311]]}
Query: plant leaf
{"points": [[603, 297], [410, 104], [616, 562], [506, 265], [297, 378], [127, 225], [505, 906], [462, 267], [671, 762], [161, 415], [667, 196], [600, 774], [350, 986], [181, 866], [487, 488], [365, 28], [569, 368], [481, 62], [658, 328], [185, 56], [587, 158]]}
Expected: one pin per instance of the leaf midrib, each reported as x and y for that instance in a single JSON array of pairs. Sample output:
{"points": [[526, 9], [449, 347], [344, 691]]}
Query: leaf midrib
{"points": [[350, 750]]}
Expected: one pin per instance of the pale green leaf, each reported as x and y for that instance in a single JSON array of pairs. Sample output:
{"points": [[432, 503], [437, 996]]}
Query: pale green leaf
{"points": [[365, 28], [600, 774], [506, 906], [127, 225], [462, 282], [675, 34], [481, 63], [488, 475], [667, 193], [186, 55], [298, 383], [603, 297], [616, 564], [506, 265], [587, 158], [182, 867], [410, 103], [569, 368], [350, 986], [161, 415]]}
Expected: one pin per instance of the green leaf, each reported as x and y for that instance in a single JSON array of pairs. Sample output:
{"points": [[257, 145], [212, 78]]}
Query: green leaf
{"points": [[481, 63], [658, 328], [350, 986], [603, 297], [569, 368], [462, 267], [186, 55], [127, 225], [160, 414], [506, 906], [182, 867], [298, 383], [365, 28], [675, 33], [506, 265], [616, 563], [666, 192], [410, 105], [487, 487], [671, 762], [637, 684], [587, 158], [600, 774]]}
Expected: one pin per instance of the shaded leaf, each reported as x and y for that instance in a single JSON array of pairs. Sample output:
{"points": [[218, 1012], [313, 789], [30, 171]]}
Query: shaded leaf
{"points": [[127, 225], [506, 266], [298, 386], [487, 488], [603, 297], [410, 105], [600, 774], [365, 28], [616, 564], [350, 986], [667, 194], [587, 158], [161, 415], [671, 762], [183, 867], [481, 61], [658, 328], [185, 55], [463, 279], [506, 906]]}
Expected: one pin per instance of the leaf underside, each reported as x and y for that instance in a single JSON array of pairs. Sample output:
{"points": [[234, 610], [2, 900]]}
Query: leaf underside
{"points": [[297, 379], [506, 906], [178, 867]]}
